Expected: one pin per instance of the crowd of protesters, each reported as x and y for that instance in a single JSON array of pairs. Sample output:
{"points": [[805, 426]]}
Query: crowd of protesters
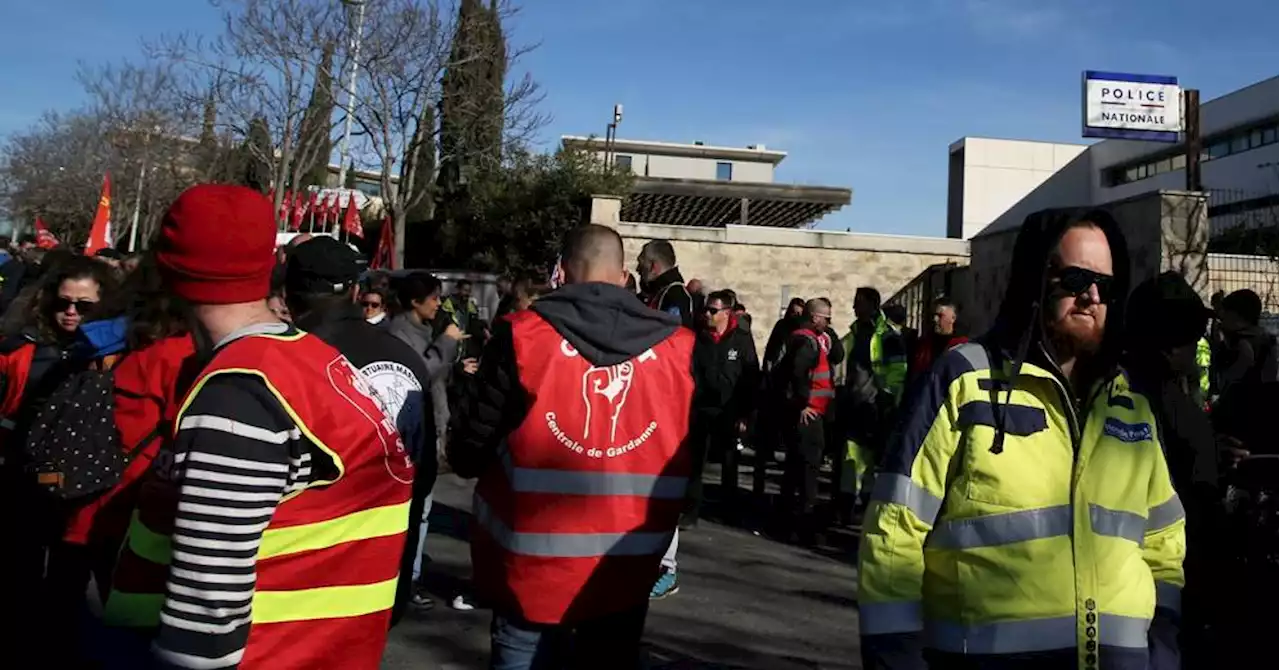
{"points": [[225, 453]]}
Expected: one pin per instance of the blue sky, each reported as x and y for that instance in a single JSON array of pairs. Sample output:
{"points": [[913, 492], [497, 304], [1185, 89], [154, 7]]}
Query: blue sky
{"points": [[865, 94]]}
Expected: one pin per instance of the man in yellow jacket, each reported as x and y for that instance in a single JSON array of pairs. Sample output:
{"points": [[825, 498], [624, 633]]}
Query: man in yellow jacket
{"points": [[1024, 515]]}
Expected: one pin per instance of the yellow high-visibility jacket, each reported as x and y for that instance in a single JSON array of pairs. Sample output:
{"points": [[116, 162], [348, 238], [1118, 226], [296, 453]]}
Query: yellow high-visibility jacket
{"points": [[1067, 540]]}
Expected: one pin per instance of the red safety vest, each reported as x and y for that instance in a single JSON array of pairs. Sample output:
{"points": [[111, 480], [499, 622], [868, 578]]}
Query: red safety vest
{"points": [[821, 388], [15, 369], [656, 301], [328, 564], [574, 517]]}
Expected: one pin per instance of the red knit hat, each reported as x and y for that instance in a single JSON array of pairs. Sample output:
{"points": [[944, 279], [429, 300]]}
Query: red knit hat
{"points": [[217, 245]]}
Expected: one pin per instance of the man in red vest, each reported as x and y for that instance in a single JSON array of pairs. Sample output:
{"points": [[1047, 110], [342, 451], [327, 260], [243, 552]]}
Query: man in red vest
{"points": [[807, 387], [576, 428], [269, 531]]}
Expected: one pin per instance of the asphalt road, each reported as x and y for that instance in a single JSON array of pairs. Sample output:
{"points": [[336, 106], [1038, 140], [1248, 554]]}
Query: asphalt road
{"points": [[745, 601]]}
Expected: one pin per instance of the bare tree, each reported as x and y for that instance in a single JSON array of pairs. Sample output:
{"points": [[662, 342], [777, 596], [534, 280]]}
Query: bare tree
{"points": [[264, 66], [153, 124], [406, 52], [54, 170]]}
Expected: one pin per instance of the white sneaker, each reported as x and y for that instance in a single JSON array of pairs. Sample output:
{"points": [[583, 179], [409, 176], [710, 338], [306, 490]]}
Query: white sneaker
{"points": [[461, 604]]}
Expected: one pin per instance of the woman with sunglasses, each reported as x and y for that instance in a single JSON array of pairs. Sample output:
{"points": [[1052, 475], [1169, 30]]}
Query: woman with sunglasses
{"points": [[32, 362]]}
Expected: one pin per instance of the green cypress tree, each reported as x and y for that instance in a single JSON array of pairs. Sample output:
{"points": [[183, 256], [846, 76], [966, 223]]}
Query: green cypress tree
{"points": [[471, 111], [314, 133], [425, 157], [255, 152]]}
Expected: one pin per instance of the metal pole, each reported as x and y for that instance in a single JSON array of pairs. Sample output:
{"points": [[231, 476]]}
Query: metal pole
{"points": [[1191, 132], [351, 90], [137, 208]]}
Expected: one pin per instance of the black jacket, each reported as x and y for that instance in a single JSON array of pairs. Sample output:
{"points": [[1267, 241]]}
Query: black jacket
{"points": [[675, 300], [394, 370], [12, 274], [798, 360], [778, 337], [730, 374], [604, 323]]}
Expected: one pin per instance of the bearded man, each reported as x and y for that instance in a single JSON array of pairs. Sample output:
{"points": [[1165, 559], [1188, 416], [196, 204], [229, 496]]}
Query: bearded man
{"points": [[1024, 515]]}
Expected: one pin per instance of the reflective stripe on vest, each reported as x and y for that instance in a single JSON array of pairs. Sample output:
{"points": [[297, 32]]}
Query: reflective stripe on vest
{"points": [[821, 388], [581, 483], [1030, 635], [567, 545], [323, 555], [574, 515]]}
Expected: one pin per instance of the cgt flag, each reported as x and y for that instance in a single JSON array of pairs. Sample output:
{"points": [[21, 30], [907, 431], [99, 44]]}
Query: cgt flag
{"points": [[351, 220], [45, 239], [384, 257], [100, 233]]}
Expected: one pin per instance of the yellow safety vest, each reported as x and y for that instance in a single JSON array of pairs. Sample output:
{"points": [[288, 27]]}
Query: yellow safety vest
{"points": [[1068, 539]]}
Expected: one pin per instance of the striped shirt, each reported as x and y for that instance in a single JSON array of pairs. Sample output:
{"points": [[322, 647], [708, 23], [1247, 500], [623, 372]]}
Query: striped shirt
{"points": [[237, 454]]}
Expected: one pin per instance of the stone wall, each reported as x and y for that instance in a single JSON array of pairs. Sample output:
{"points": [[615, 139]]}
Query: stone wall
{"points": [[1165, 230], [769, 266]]}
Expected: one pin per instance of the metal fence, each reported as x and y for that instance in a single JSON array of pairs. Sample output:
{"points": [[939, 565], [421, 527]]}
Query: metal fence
{"points": [[1232, 272], [917, 296]]}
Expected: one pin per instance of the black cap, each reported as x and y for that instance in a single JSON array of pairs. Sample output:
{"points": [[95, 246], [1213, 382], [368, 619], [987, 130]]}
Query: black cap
{"points": [[1245, 303], [322, 265], [1166, 312]]}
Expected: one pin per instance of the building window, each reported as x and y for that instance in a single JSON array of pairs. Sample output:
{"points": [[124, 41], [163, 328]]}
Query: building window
{"points": [[1224, 144], [622, 162], [370, 188], [724, 171]]}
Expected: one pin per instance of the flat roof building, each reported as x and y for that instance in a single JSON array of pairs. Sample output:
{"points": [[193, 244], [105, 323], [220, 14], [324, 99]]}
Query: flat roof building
{"points": [[700, 185], [992, 184]]}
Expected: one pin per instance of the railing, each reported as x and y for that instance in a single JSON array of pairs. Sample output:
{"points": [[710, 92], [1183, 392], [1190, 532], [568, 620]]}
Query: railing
{"points": [[1232, 272]]}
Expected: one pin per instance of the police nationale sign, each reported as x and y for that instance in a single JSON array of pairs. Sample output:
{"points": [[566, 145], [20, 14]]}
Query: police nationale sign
{"points": [[1132, 106]]}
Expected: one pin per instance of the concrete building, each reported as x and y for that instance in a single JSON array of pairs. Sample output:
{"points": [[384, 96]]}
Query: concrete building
{"points": [[671, 160], [699, 185], [985, 177], [768, 266], [997, 183]]}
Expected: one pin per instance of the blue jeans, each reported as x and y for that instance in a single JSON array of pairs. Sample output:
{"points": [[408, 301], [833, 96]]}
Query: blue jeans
{"points": [[611, 641]]}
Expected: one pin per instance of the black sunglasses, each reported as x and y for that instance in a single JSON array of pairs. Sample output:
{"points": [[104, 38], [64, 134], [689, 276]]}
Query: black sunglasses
{"points": [[713, 310], [370, 304], [1075, 281], [61, 304]]}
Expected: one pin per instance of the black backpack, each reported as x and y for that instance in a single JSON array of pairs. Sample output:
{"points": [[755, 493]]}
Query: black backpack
{"points": [[73, 448]]}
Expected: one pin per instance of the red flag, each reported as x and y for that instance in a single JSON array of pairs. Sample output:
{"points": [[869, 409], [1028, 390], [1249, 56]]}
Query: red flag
{"points": [[44, 238], [313, 208], [351, 220], [299, 212], [286, 205], [100, 233], [335, 208], [384, 257], [322, 211]]}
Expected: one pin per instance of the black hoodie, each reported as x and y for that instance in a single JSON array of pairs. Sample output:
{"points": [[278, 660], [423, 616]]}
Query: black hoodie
{"points": [[1018, 334], [604, 323]]}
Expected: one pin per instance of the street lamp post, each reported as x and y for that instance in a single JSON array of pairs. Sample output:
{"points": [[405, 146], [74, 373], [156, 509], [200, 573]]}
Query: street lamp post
{"points": [[345, 151]]}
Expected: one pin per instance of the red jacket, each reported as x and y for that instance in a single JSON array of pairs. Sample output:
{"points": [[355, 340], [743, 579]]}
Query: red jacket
{"points": [[146, 398], [15, 368], [923, 358], [573, 517]]}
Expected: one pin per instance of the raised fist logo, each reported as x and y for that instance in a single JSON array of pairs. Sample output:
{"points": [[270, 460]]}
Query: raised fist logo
{"points": [[604, 392]]}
